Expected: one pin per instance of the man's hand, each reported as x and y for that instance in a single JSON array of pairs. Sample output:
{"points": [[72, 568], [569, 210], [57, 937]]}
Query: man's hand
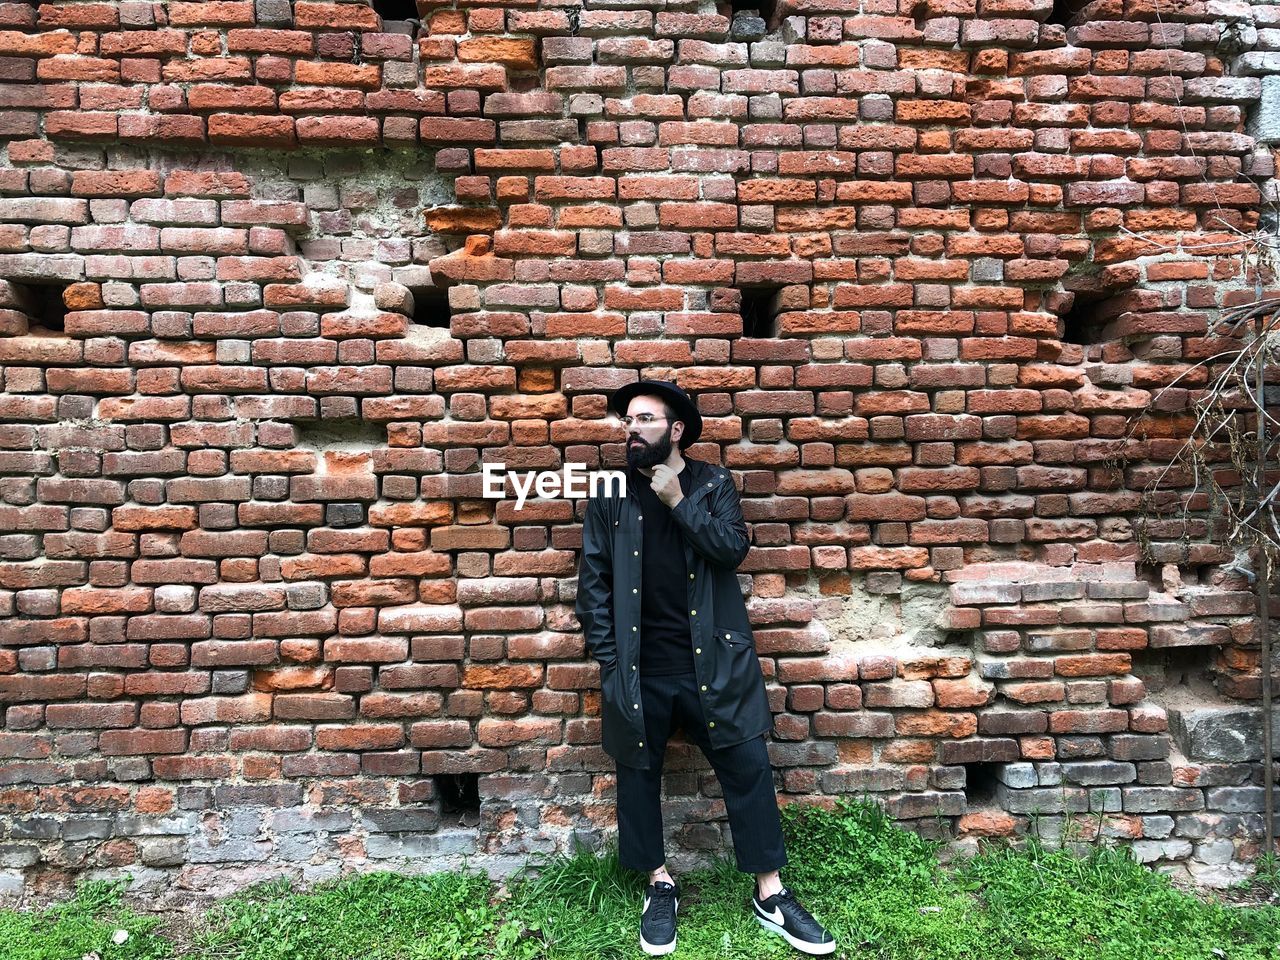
{"points": [[666, 484]]}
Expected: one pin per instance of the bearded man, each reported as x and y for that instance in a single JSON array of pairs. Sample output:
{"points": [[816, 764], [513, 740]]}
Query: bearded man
{"points": [[663, 614]]}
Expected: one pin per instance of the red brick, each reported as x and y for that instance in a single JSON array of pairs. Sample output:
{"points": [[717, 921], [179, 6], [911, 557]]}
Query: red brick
{"points": [[217, 13], [384, 736], [337, 130], [502, 677], [233, 130], [116, 183], [1092, 665], [334, 16]]}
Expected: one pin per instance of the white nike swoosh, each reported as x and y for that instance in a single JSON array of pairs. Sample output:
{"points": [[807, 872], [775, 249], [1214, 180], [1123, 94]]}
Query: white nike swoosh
{"points": [[775, 915], [646, 905]]}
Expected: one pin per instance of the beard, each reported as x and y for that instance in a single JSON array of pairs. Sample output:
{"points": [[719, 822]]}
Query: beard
{"points": [[649, 454]]}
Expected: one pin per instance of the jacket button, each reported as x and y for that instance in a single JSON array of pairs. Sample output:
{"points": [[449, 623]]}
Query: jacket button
{"points": [[635, 553], [727, 636], [636, 706], [711, 724], [704, 686], [691, 576], [633, 629], [633, 666], [693, 613], [641, 743], [634, 590], [697, 649]]}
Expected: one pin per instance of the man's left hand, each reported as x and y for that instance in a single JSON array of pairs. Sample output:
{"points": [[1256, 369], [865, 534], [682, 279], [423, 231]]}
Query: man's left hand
{"points": [[666, 484]]}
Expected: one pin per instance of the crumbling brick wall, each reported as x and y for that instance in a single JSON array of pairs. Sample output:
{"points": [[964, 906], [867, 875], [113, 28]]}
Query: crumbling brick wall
{"points": [[931, 270]]}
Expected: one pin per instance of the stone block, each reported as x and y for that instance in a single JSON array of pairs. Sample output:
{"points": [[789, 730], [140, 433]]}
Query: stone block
{"points": [[1096, 772], [1042, 800], [1160, 799], [1149, 851], [1230, 734], [1235, 799], [1017, 775]]}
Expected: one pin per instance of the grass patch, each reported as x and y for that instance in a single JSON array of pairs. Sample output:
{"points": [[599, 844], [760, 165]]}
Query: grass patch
{"points": [[372, 916], [879, 888], [89, 923], [1107, 905], [586, 907]]}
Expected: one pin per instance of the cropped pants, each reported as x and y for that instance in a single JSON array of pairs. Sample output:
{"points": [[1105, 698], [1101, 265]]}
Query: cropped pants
{"points": [[744, 771]]}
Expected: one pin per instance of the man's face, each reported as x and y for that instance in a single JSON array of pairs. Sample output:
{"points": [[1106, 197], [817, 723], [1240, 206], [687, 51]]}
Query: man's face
{"points": [[648, 444]]}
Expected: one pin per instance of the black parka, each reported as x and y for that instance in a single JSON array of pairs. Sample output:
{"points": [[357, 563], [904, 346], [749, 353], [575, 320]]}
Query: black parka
{"points": [[731, 685]]}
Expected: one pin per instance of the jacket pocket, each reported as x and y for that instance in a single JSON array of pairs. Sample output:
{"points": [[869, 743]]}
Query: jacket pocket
{"points": [[608, 692], [596, 615], [607, 672], [735, 637], [601, 643]]}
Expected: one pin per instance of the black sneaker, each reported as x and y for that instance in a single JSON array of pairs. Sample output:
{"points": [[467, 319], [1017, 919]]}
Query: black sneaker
{"points": [[658, 921], [785, 915]]}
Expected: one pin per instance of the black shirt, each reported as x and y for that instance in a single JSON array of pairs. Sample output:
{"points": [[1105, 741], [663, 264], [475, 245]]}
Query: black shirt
{"points": [[666, 640]]}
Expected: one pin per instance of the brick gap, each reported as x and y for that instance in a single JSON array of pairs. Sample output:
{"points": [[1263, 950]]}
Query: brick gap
{"points": [[431, 307], [459, 795], [338, 433], [759, 311], [920, 13], [1176, 673], [1152, 573], [1082, 324], [1064, 11], [980, 783], [43, 303], [766, 10], [396, 10]]}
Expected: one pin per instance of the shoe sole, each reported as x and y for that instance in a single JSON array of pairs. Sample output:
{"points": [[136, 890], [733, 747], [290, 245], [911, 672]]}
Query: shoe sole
{"points": [[657, 949], [804, 946]]}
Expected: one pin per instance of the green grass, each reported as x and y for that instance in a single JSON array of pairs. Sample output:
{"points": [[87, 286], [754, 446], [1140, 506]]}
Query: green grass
{"points": [[83, 925], [1107, 905], [374, 916], [880, 889], [585, 906], [868, 880]]}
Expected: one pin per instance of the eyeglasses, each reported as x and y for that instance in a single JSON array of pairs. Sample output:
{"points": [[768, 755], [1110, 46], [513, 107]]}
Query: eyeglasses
{"points": [[643, 419]]}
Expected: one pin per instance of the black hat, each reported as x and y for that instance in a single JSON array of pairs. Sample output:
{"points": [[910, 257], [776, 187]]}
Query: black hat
{"points": [[685, 410]]}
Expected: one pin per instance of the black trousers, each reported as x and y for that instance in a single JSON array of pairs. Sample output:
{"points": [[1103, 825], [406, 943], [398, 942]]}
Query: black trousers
{"points": [[744, 771]]}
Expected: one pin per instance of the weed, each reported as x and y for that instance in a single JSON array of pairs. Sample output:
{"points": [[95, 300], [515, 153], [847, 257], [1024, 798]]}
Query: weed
{"points": [[1267, 875]]}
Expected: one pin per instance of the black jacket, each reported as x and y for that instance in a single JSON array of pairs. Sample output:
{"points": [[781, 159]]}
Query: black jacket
{"points": [[608, 607]]}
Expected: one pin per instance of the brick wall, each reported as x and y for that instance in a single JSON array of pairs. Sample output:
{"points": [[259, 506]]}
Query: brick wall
{"points": [[254, 601]]}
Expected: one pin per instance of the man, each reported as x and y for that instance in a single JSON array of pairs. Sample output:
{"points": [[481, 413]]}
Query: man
{"points": [[663, 614]]}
